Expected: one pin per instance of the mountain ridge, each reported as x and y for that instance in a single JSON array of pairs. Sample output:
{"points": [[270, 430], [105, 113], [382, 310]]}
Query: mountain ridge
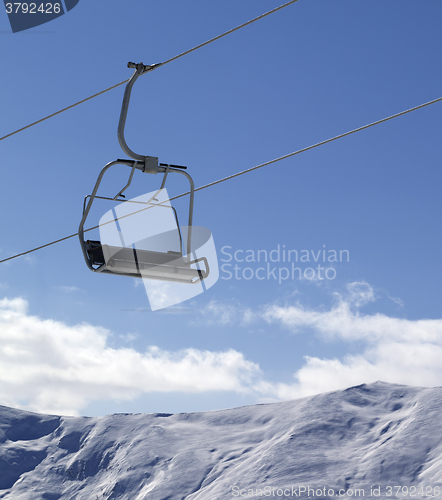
{"points": [[365, 437]]}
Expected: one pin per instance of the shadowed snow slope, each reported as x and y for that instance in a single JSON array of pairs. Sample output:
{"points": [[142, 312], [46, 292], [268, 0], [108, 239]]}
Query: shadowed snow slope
{"points": [[375, 435]]}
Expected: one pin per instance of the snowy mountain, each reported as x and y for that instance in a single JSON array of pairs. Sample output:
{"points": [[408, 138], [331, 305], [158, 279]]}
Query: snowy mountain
{"points": [[366, 440]]}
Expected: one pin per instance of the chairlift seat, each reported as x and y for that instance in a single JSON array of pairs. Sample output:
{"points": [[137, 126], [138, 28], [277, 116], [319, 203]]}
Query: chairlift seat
{"points": [[135, 263]]}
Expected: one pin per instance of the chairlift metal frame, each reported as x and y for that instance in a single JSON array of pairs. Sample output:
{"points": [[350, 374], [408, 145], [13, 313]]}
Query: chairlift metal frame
{"points": [[170, 266]]}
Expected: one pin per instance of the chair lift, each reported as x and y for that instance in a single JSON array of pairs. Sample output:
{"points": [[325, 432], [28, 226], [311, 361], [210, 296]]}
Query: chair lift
{"points": [[170, 265]]}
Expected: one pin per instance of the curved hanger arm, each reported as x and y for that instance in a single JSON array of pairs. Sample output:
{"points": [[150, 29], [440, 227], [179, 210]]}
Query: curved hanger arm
{"points": [[151, 161]]}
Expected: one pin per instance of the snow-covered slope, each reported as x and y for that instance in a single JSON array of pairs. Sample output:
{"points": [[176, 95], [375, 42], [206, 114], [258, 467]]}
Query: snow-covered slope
{"points": [[365, 437]]}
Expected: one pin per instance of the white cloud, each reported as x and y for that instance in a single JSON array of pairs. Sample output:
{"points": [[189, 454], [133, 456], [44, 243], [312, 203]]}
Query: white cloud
{"points": [[345, 321], [223, 314], [51, 367], [399, 302], [129, 337], [401, 363], [68, 289], [397, 350], [359, 293]]}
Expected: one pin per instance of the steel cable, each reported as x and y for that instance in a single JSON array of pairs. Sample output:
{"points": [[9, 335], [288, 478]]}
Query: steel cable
{"points": [[308, 148]]}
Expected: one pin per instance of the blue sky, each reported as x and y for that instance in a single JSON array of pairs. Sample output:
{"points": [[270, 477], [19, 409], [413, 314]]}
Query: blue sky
{"points": [[75, 342]]}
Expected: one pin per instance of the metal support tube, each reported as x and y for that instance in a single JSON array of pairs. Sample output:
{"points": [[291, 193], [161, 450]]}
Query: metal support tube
{"points": [[192, 196], [151, 162], [91, 200], [123, 116], [120, 193]]}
